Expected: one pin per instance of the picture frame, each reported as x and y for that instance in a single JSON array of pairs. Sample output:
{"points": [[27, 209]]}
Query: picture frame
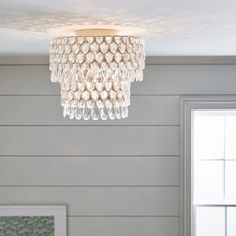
{"points": [[33, 220]]}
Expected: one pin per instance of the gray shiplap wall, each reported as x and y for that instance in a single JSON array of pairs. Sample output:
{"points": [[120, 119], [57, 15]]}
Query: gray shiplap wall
{"points": [[116, 177]]}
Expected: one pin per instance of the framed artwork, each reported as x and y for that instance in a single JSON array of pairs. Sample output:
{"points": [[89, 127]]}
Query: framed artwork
{"points": [[32, 220]]}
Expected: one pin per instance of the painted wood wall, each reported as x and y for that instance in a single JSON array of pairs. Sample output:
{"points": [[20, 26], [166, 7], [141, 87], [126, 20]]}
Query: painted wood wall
{"points": [[116, 177]]}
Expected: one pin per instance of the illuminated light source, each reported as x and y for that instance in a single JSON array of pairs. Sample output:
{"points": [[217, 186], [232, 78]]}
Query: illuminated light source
{"points": [[95, 70]]}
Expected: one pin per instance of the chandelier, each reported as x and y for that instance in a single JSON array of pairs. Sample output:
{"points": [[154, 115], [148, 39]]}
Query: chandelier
{"points": [[95, 70]]}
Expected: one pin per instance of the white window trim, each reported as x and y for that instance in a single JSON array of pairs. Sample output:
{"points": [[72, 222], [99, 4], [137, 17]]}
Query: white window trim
{"points": [[187, 104]]}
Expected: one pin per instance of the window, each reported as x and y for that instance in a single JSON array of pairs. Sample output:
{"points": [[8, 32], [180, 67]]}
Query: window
{"points": [[213, 165]]}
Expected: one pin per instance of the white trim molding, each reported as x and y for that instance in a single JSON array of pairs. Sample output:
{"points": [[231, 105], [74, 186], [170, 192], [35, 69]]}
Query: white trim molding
{"points": [[187, 104]]}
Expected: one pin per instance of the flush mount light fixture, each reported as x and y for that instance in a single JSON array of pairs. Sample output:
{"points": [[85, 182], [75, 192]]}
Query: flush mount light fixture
{"points": [[95, 70]]}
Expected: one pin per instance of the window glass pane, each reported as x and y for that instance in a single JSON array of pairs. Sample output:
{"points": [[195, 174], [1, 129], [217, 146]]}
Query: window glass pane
{"points": [[210, 221], [208, 181], [231, 221], [230, 182], [208, 135], [230, 137]]}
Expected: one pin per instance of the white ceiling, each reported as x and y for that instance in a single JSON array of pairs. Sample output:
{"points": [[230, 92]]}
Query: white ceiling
{"points": [[172, 27]]}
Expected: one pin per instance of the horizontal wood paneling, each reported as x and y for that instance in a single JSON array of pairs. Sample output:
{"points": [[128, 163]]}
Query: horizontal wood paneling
{"points": [[158, 79], [94, 201], [150, 60], [29, 80], [46, 110], [115, 168], [91, 171], [187, 79], [125, 226], [82, 140]]}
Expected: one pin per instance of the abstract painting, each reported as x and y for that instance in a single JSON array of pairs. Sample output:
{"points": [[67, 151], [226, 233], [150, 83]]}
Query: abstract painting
{"points": [[32, 221]]}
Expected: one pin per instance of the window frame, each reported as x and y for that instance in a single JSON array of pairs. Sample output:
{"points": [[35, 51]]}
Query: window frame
{"points": [[187, 105]]}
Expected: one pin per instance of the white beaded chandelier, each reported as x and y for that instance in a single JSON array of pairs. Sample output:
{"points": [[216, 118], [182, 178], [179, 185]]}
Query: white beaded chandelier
{"points": [[95, 73]]}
